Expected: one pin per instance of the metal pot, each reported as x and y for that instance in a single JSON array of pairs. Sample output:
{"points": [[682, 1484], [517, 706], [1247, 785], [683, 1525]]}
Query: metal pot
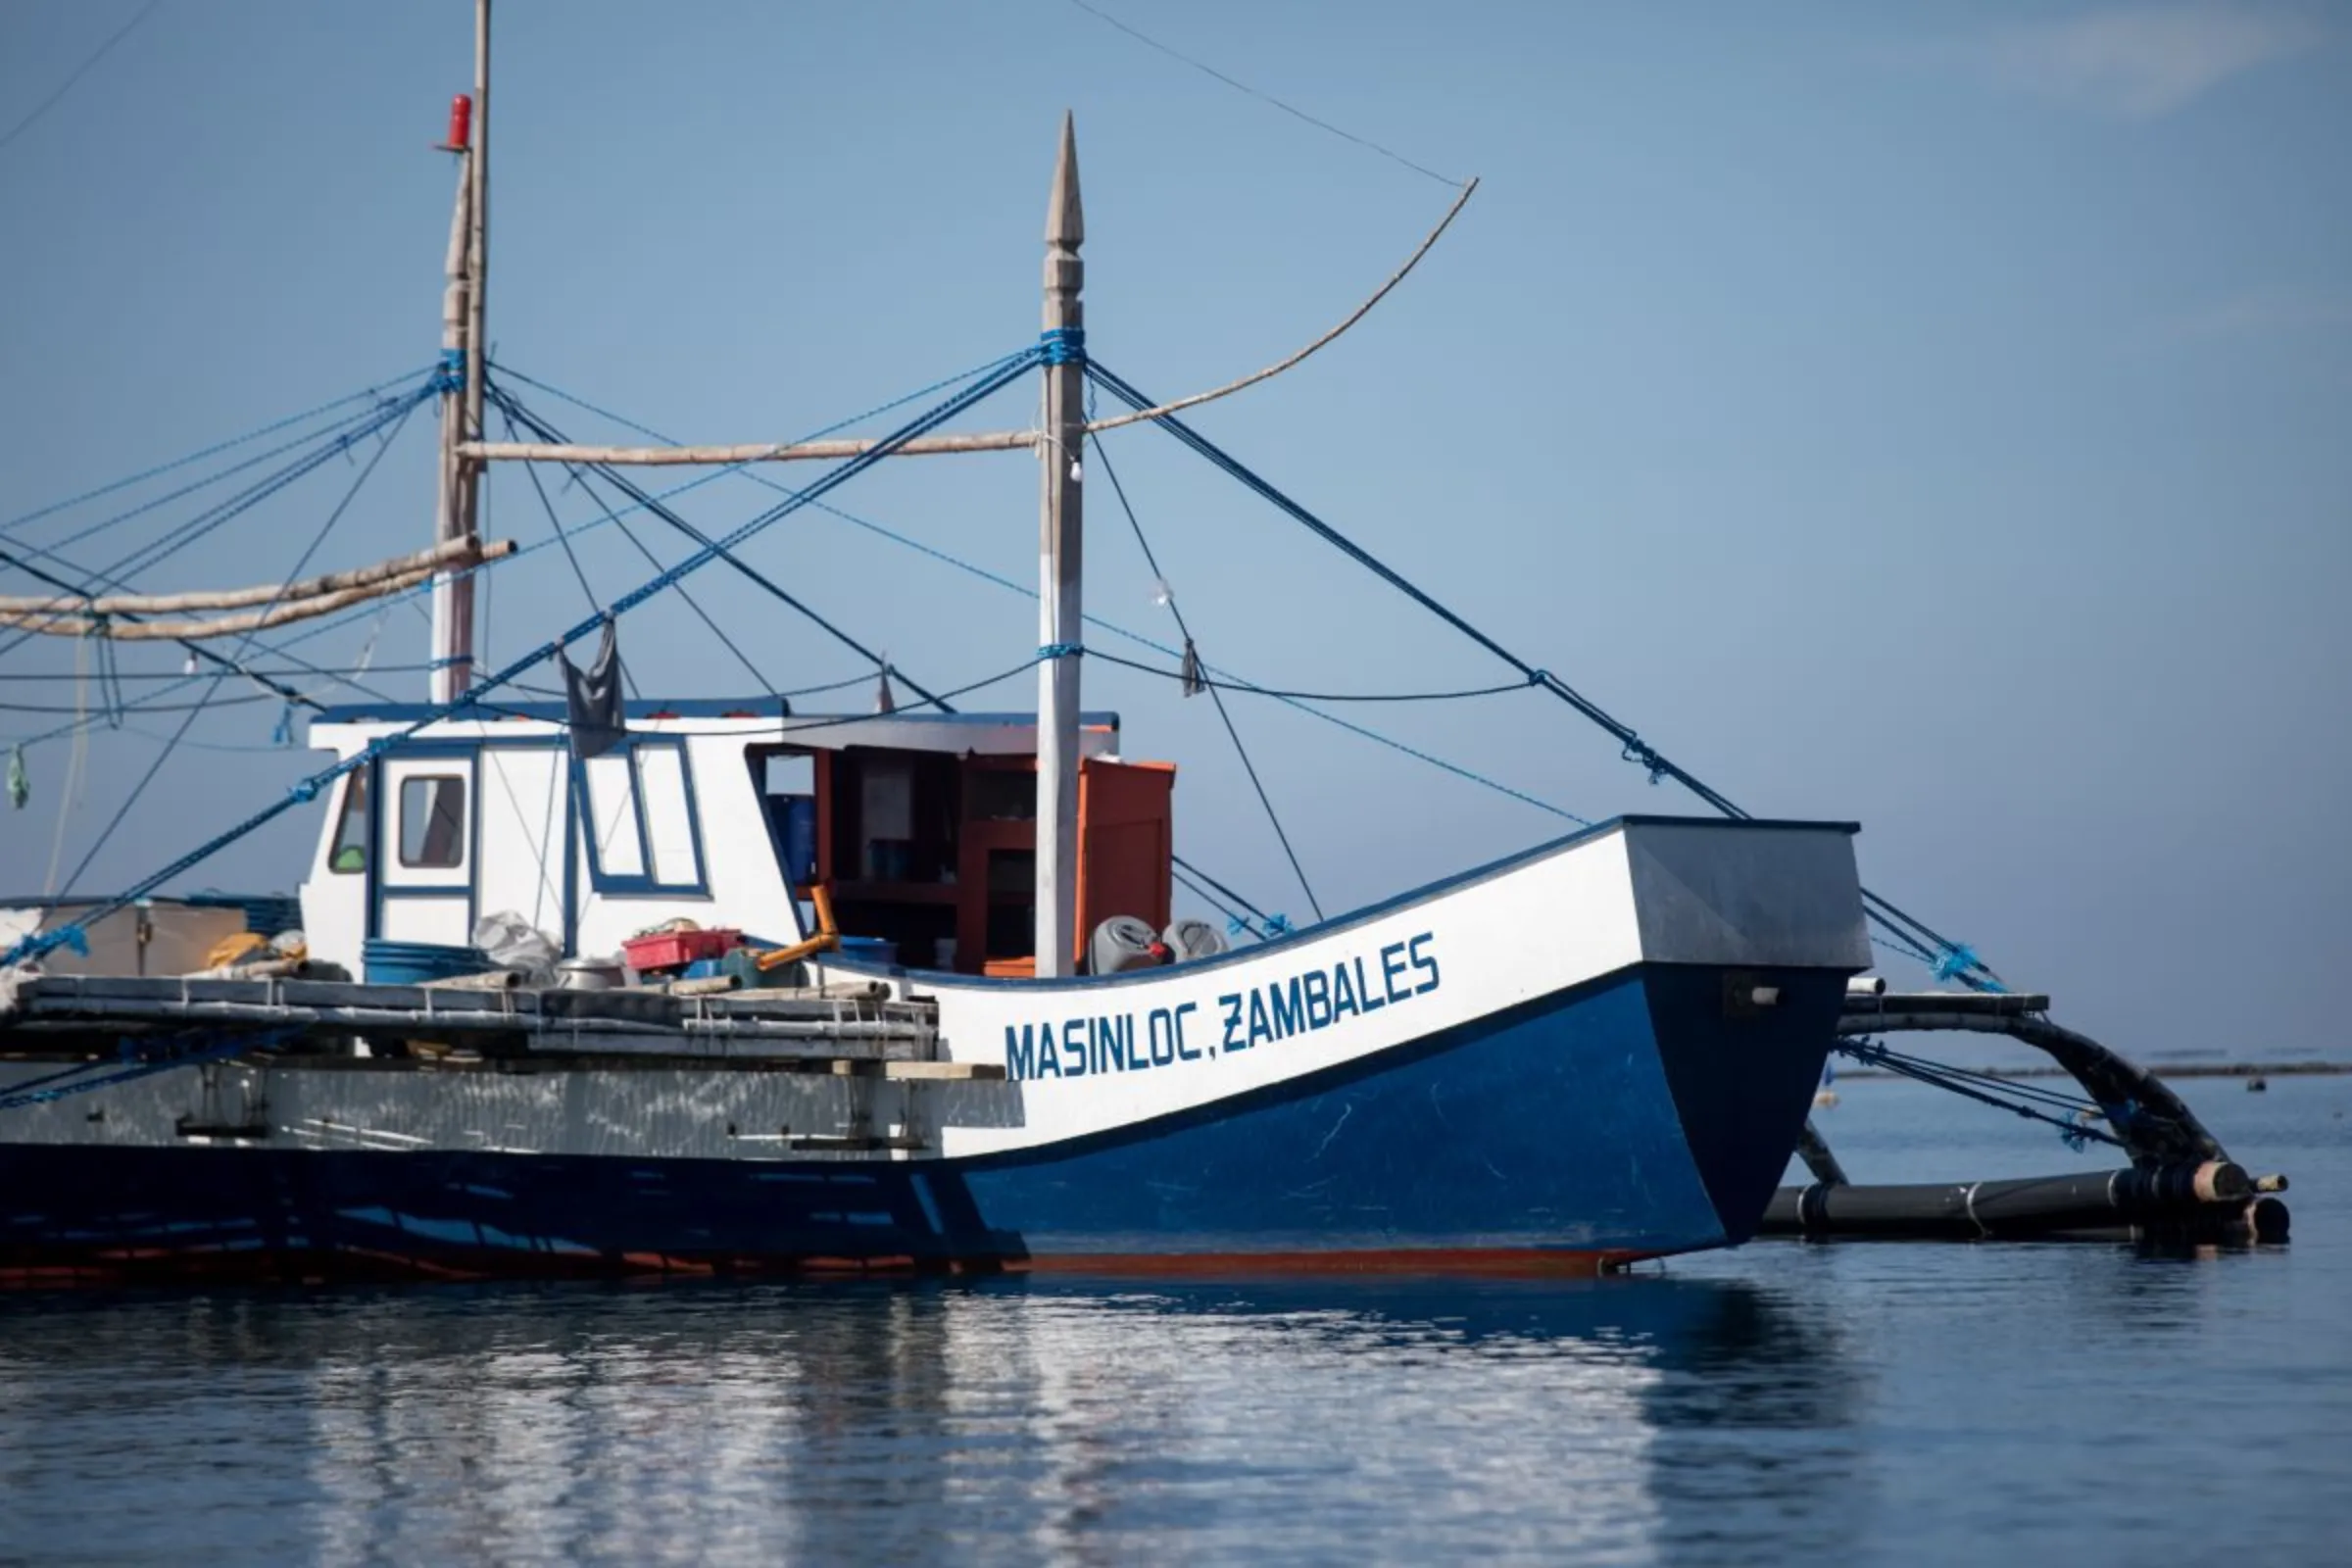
{"points": [[590, 974]]}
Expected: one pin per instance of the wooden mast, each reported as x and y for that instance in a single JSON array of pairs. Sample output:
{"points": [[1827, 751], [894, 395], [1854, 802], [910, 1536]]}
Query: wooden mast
{"points": [[1060, 545], [457, 501]]}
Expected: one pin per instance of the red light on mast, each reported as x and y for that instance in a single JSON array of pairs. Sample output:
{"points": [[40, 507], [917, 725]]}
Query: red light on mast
{"points": [[461, 124]]}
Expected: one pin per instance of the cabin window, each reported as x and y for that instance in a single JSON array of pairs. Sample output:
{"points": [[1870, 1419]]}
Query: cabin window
{"points": [[612, 815], [350, 850], [432, 821], [641, 820]]}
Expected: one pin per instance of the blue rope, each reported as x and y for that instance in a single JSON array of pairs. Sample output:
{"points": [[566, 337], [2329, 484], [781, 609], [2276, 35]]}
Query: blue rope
{"points": [[1060, 649], [974, 569], [1973, 972], [741, 568], [1063, 345], [198, 457], [33, 946]]}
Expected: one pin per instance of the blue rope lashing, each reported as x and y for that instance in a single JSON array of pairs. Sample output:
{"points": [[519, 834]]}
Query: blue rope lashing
{"points": [[1060, 651], [1279, 925], [304, 790], [450, 374], [1960, 963], [1063, 345]]}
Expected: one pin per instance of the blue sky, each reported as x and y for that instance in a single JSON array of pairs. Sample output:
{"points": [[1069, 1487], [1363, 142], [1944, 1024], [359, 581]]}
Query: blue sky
{"points": [[1924, 416]]}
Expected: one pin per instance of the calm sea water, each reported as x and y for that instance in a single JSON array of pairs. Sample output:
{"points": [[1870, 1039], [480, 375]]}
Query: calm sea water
{"points": [[1849, 1403]]}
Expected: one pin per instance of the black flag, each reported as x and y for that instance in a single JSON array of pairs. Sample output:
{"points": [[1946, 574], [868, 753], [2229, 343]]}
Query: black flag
{"points": [[592, 697]]}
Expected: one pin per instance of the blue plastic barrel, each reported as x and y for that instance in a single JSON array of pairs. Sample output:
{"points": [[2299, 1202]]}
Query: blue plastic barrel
{"points": [[878, 951], [800, 840], [385, 963]]}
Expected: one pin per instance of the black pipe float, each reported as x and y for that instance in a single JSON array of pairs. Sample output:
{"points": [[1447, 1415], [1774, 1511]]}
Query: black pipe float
{"points": [[2213, 1201]]}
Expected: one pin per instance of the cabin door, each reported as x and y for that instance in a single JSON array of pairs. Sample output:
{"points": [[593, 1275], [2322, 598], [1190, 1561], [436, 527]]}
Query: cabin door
{"points": [[425, 808]]}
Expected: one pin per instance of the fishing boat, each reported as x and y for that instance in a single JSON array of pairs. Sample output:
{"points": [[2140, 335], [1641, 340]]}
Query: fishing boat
{"points": [[948, 1022]]}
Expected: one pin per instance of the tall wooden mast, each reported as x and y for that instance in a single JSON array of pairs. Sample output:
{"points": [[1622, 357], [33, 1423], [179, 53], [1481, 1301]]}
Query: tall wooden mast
{"points": [[1060, 547], [457, 499]]}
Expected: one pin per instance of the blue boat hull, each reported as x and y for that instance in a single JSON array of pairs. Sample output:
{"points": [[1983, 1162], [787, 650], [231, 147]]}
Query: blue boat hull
{"points": [[1650, 1112]]}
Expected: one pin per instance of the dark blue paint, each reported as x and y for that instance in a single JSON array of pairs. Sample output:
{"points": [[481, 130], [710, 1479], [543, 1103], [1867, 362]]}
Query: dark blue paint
{"points": [[1557, 1125], [1639, 1115]]}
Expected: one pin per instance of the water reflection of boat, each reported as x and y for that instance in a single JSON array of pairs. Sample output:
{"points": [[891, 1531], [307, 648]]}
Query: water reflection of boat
{"points": [[1011, 1418]]}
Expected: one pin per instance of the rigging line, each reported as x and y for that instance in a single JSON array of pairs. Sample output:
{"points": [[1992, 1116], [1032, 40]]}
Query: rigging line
{"points": [[1233, 469], [125, 675], [507, 407], [939, 702], [359, 481], [1233, 916], [838, 426], [88, 65], [1188, 866], [553, 521], [1880, 1057], [1313, 697], [1966, 966], [1102, 456], [974, 569], [412, 597], [1262, 97], [743, 569], [136, 708], [195, 648], [2026, 1091], [1161, 411], [194, 485], [254, 749], [69, 796], [117, 575], [174, 541], [307, 789]]}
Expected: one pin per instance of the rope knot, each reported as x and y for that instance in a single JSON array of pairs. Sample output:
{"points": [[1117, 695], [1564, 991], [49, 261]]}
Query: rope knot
{"points": [[1063, 345], [1638, 750], [304, 791], [1279, 925], [1059, 651], [1956, 960]]}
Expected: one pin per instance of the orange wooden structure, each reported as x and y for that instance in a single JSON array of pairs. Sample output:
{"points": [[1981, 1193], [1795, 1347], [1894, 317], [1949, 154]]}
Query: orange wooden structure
{"points": [[936, 853]]}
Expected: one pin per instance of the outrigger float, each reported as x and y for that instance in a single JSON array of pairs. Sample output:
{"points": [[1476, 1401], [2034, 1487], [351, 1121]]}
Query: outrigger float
{"points": [[959, 1030]]}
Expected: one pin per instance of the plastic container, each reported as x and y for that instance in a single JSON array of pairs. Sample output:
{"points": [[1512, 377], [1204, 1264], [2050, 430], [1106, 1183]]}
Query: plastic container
{"points": [[674, 949], [412, 963]]}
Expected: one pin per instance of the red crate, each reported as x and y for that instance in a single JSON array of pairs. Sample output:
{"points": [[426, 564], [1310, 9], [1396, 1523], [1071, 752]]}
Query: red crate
{"points": [[674, 949]]}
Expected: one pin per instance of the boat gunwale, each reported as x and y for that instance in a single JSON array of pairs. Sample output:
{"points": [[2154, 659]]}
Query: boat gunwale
{"points": [[944, 981]]}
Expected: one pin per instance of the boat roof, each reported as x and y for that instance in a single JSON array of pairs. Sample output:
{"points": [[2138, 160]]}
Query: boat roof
{"points": [[762, 717]]}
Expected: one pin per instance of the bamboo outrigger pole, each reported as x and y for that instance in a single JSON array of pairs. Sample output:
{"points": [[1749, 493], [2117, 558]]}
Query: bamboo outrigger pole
{"points": [[378, 584], [452, 555]]}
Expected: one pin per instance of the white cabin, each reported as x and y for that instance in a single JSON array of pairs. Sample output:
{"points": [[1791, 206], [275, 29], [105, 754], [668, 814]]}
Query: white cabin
{"points": [[723, 813]]}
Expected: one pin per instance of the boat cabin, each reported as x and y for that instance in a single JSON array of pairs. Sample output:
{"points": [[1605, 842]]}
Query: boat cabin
{"points": [[922, 827]]}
